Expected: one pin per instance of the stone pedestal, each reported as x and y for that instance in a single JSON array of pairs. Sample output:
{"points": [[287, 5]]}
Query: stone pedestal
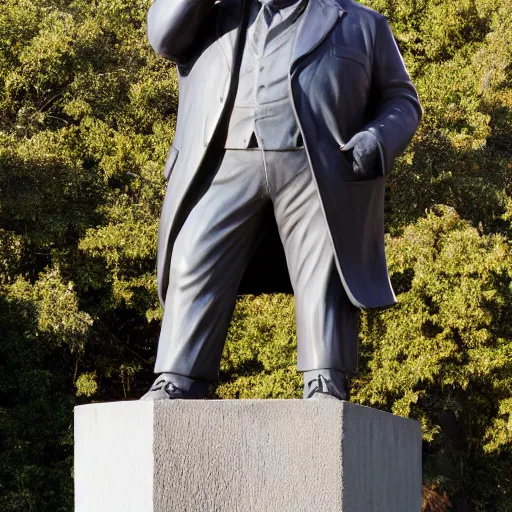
{"points": [[245, 456]]}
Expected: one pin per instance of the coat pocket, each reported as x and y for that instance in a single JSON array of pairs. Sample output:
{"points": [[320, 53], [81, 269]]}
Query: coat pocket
{"points": [[170, 161], [369, 182], [345, 52]]}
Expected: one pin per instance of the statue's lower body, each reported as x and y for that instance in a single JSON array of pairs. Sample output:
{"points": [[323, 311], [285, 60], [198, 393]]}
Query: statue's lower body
{"points": [[212, 251]]}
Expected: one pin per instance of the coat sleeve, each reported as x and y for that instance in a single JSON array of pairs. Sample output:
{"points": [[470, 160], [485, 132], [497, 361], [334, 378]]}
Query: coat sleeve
{"points": [[173, 26], [398, 111]]}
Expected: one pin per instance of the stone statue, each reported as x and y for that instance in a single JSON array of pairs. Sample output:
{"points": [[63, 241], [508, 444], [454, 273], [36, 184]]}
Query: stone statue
{"points": [[291, 114]]}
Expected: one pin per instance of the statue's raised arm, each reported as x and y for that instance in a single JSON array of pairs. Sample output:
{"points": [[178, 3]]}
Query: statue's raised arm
{"points": [[173, 26]]}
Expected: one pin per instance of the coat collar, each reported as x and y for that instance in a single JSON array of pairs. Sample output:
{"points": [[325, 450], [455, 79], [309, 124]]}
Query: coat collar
{"points": [[317, 21]]}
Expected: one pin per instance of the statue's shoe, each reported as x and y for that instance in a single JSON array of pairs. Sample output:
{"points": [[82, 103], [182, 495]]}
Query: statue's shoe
{"points": [[322, 388], [167, 387]]}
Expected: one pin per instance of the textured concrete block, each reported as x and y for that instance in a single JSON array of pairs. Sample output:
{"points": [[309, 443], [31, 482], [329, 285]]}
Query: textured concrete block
{"points": [[245, 456]]}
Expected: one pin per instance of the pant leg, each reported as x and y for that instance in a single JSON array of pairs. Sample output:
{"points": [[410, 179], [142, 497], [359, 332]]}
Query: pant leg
{"points": [[326, 319], [208, 260]]}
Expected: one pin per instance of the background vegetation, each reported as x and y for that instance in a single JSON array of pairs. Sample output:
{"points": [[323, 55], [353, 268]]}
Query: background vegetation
{"points": [[87, 114]]}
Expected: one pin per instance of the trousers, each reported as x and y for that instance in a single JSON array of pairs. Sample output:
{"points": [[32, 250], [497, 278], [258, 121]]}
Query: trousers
{"points": [[213, 249]]}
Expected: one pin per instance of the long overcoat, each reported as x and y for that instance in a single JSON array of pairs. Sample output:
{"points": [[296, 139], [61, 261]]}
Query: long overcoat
{"points": [[346, 75]]}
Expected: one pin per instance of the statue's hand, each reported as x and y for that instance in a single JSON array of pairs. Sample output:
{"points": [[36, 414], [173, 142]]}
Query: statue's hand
{"points": [[365, 152]]}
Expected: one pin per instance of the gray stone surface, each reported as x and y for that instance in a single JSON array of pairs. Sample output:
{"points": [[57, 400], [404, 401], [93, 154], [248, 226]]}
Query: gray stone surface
{"points": [[245, 455], [114, 457]]}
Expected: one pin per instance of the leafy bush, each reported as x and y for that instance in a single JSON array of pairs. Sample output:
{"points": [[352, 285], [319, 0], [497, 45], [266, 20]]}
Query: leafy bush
{"points": [[87, 114]]}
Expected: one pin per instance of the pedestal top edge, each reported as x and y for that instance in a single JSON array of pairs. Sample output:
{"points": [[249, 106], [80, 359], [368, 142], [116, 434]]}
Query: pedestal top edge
{"points": [[342, 406]]}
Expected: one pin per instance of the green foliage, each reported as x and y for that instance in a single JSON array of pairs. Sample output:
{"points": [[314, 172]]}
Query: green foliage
{"points": [[87, 114], [260, 354], [444, 356]]}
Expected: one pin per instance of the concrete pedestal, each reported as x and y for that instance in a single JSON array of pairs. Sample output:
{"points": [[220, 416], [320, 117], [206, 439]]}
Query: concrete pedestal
{"points": [[245, 456]]}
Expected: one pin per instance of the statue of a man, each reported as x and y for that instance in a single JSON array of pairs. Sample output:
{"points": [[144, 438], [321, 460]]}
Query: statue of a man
{"points": [[291, 113]]}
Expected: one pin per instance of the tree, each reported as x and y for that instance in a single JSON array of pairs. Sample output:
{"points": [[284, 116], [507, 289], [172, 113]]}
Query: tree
{"points": [[87, 114]]}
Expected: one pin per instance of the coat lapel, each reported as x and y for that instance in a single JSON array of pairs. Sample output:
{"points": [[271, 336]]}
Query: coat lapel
{"points": [[230, 41], [317, 21]]}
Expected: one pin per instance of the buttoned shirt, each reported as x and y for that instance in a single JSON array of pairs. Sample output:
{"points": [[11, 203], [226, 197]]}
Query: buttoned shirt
{"points": [[262, 115]]}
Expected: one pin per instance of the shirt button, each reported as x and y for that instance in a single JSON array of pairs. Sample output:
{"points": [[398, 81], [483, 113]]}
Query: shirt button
{"points": [[221, 99]]}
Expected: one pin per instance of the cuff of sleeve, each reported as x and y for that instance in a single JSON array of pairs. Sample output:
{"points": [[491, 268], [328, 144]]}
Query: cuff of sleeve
{"points": [[382, 152]]}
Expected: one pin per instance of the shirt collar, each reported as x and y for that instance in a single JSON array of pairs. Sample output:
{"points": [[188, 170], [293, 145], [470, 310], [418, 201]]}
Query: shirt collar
{"points": [[278, 4]]}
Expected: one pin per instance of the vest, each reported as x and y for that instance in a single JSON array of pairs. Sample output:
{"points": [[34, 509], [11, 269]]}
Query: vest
{"points": [[262, 114]]}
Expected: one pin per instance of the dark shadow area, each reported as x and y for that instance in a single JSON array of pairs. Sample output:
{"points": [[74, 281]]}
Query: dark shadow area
{"points": [[36, 408], [475, 182]]}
